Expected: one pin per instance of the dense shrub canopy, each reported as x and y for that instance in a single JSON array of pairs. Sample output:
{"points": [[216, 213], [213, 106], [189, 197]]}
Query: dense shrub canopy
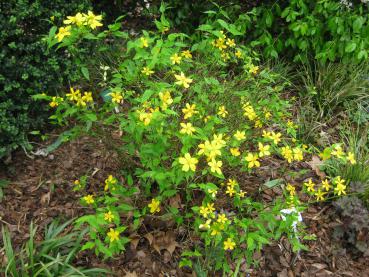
{"points": [[26, 67]]}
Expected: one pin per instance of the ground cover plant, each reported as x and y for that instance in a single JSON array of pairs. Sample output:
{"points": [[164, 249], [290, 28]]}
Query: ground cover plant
{"points": [[200, 120], [237, 147]]}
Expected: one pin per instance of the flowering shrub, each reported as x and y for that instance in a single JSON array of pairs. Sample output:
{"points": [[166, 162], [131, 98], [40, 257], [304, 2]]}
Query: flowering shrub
{"points": [[198, 117]]}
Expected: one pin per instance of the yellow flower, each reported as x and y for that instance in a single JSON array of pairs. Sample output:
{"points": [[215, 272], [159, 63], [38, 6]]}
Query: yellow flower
{"points": [[222, 111], [298, 154], [145, 118], [230, 191], [252, 160], [188, 162], [258, 124], [93, 20], [187, 128], [351, 158], [287, 153], [229, 244], [63, 32], [310, 186], [206, 225], [116, 97], [187, 54], [110, 181], [230, 42], [204, 211], [235, 151], [232, 183], [74, 95], [219, 43], [225, 56], [263, 150], [338, 181], [242, 193], [249, 112], [340, 189], [267, 115], [182, 80], [238, 54], [109, 216], [176, 59], [55, 101], [215, 166], [215, 230], [276, 137], [212, 192], [222, 219], [338, 152], [78, 19], [89, 199], [239, 135], [291, 189], [80, 102], [113, 235], [320, 195], [154, 206], [144, 42], [254, 69], [87, 97], [147, 71], [267, 134], [326, 185], [166, 99], [189, 110], [210, 207], [218, 140], [204, 147]]}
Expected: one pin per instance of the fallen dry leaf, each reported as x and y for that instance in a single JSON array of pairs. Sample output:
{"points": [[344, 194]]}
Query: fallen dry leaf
{"points": [[162, 241], [131, 274], [315, 163]]}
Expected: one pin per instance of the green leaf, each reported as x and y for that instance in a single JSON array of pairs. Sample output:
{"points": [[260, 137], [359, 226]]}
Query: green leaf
{"points": [[350, 47], [88, 245], [273, 183], [358, 23], [125, 207], [85, 73]]}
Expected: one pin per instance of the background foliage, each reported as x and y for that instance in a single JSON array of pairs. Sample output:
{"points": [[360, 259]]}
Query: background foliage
{"points": [[26, 67]]}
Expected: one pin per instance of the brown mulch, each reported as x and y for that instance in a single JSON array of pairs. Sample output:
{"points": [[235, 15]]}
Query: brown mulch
{"points": [[41, 190]]}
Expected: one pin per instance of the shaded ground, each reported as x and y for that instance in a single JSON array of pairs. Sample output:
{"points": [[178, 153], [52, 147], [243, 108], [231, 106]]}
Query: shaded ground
{"points": [[41, 190]]}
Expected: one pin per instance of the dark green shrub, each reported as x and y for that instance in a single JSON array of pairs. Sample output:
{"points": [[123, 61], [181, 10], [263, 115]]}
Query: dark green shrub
{"points": [[325, 30], [26, 67]]}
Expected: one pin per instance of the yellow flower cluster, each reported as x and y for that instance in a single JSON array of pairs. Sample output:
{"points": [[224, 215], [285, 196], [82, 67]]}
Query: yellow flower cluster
{"points": [[232, 188], [292, 154], [337, 152], [339, 188], [79, 99], [226, 47], [80, 19]]}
